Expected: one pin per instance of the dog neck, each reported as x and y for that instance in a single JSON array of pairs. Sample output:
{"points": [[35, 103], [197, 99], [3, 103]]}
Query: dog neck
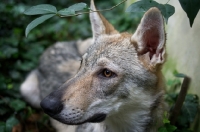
{"points": [[136, 118], [128, 122]]}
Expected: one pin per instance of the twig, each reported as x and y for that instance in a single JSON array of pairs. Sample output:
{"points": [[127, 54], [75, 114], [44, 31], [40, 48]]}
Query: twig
{"points": [[91, 11], [179, 102], [167, 1]]}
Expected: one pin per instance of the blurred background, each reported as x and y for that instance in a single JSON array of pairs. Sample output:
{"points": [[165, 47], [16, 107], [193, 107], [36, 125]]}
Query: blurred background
{"points": [[19, 55]]}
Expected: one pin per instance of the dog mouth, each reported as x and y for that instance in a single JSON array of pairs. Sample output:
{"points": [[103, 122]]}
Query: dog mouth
{"points": [[96, 118]]}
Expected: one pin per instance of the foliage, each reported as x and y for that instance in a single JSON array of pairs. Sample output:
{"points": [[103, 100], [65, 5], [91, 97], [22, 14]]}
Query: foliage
{"points": [[191, 8], [48, 11], [37, 21], [19, 55], [167, 127], [188, 111]]}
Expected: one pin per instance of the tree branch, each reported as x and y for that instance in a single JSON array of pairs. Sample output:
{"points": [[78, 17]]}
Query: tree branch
{"points": [[179, 102], [91, 11]]}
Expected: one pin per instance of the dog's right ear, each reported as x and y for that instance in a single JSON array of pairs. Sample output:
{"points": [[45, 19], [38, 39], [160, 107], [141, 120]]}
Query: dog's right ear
{"points": [[99, 24]]}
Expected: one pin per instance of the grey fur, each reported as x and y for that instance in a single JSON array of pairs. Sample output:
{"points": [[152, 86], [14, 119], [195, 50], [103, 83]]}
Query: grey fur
{"points": [[49, 74]]}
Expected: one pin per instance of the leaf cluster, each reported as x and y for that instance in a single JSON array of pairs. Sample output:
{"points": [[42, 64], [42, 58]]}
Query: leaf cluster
{"points": [[48, 11], [167, 127], [188, 112], [190, 7]]}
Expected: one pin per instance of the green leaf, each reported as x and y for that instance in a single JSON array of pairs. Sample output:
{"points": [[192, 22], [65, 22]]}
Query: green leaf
{"points": [[41, 9], [191, 7], [190, 107], [72, 9], [141, 6], [144, 5], [4, 110], [167, 128], [175, 72], [17, 104], [189, 110], [36, 22], [162, 129], [78, 7], [166, 10], [2, 127], [10, 122], [165, 118], [180, 75], [66, 12], [170, 128]]}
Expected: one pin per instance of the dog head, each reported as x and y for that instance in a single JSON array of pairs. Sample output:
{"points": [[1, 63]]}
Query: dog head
{"points": [[118, 71]]}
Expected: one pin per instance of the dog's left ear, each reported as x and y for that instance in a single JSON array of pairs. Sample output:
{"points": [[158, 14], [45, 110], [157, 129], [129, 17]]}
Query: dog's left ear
{"points": [[99, 24], [150, 39]]}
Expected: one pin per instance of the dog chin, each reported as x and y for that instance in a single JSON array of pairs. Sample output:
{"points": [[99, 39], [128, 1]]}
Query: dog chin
{"points": [[94, 119]]}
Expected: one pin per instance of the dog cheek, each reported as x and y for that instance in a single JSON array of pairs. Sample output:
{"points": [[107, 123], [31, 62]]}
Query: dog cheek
{"points": [[108, 87]]}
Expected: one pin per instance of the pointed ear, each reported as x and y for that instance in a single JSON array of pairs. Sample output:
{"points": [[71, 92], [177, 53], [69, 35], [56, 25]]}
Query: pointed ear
{"points": [[150, 38], [99, 24]]}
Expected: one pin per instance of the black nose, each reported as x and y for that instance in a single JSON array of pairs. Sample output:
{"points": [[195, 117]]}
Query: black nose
{"points": [[51, 105]]}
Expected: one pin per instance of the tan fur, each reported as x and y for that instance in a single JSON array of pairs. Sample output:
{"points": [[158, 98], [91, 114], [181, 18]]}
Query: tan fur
{"points": [[101, 25], [71, 65], [82, 45], [77, 96]]}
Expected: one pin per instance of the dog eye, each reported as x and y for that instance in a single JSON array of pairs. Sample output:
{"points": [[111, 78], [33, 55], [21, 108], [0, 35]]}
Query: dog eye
{"points": [[107, 73]]}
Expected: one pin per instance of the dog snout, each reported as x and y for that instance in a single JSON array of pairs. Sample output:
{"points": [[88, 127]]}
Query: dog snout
{"points": [[51, 105]]}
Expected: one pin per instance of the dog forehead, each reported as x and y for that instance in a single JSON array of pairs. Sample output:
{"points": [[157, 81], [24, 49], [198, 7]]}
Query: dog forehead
{"points": [[114, 47], [114, 38], [111, 44]]}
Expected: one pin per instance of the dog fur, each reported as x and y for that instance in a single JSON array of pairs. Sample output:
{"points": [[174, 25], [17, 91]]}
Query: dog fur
{"points": [[119, 86]]}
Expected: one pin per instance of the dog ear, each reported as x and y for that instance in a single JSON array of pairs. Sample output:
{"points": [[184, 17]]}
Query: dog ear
{"points": [[99, 24], [150, 38]]}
